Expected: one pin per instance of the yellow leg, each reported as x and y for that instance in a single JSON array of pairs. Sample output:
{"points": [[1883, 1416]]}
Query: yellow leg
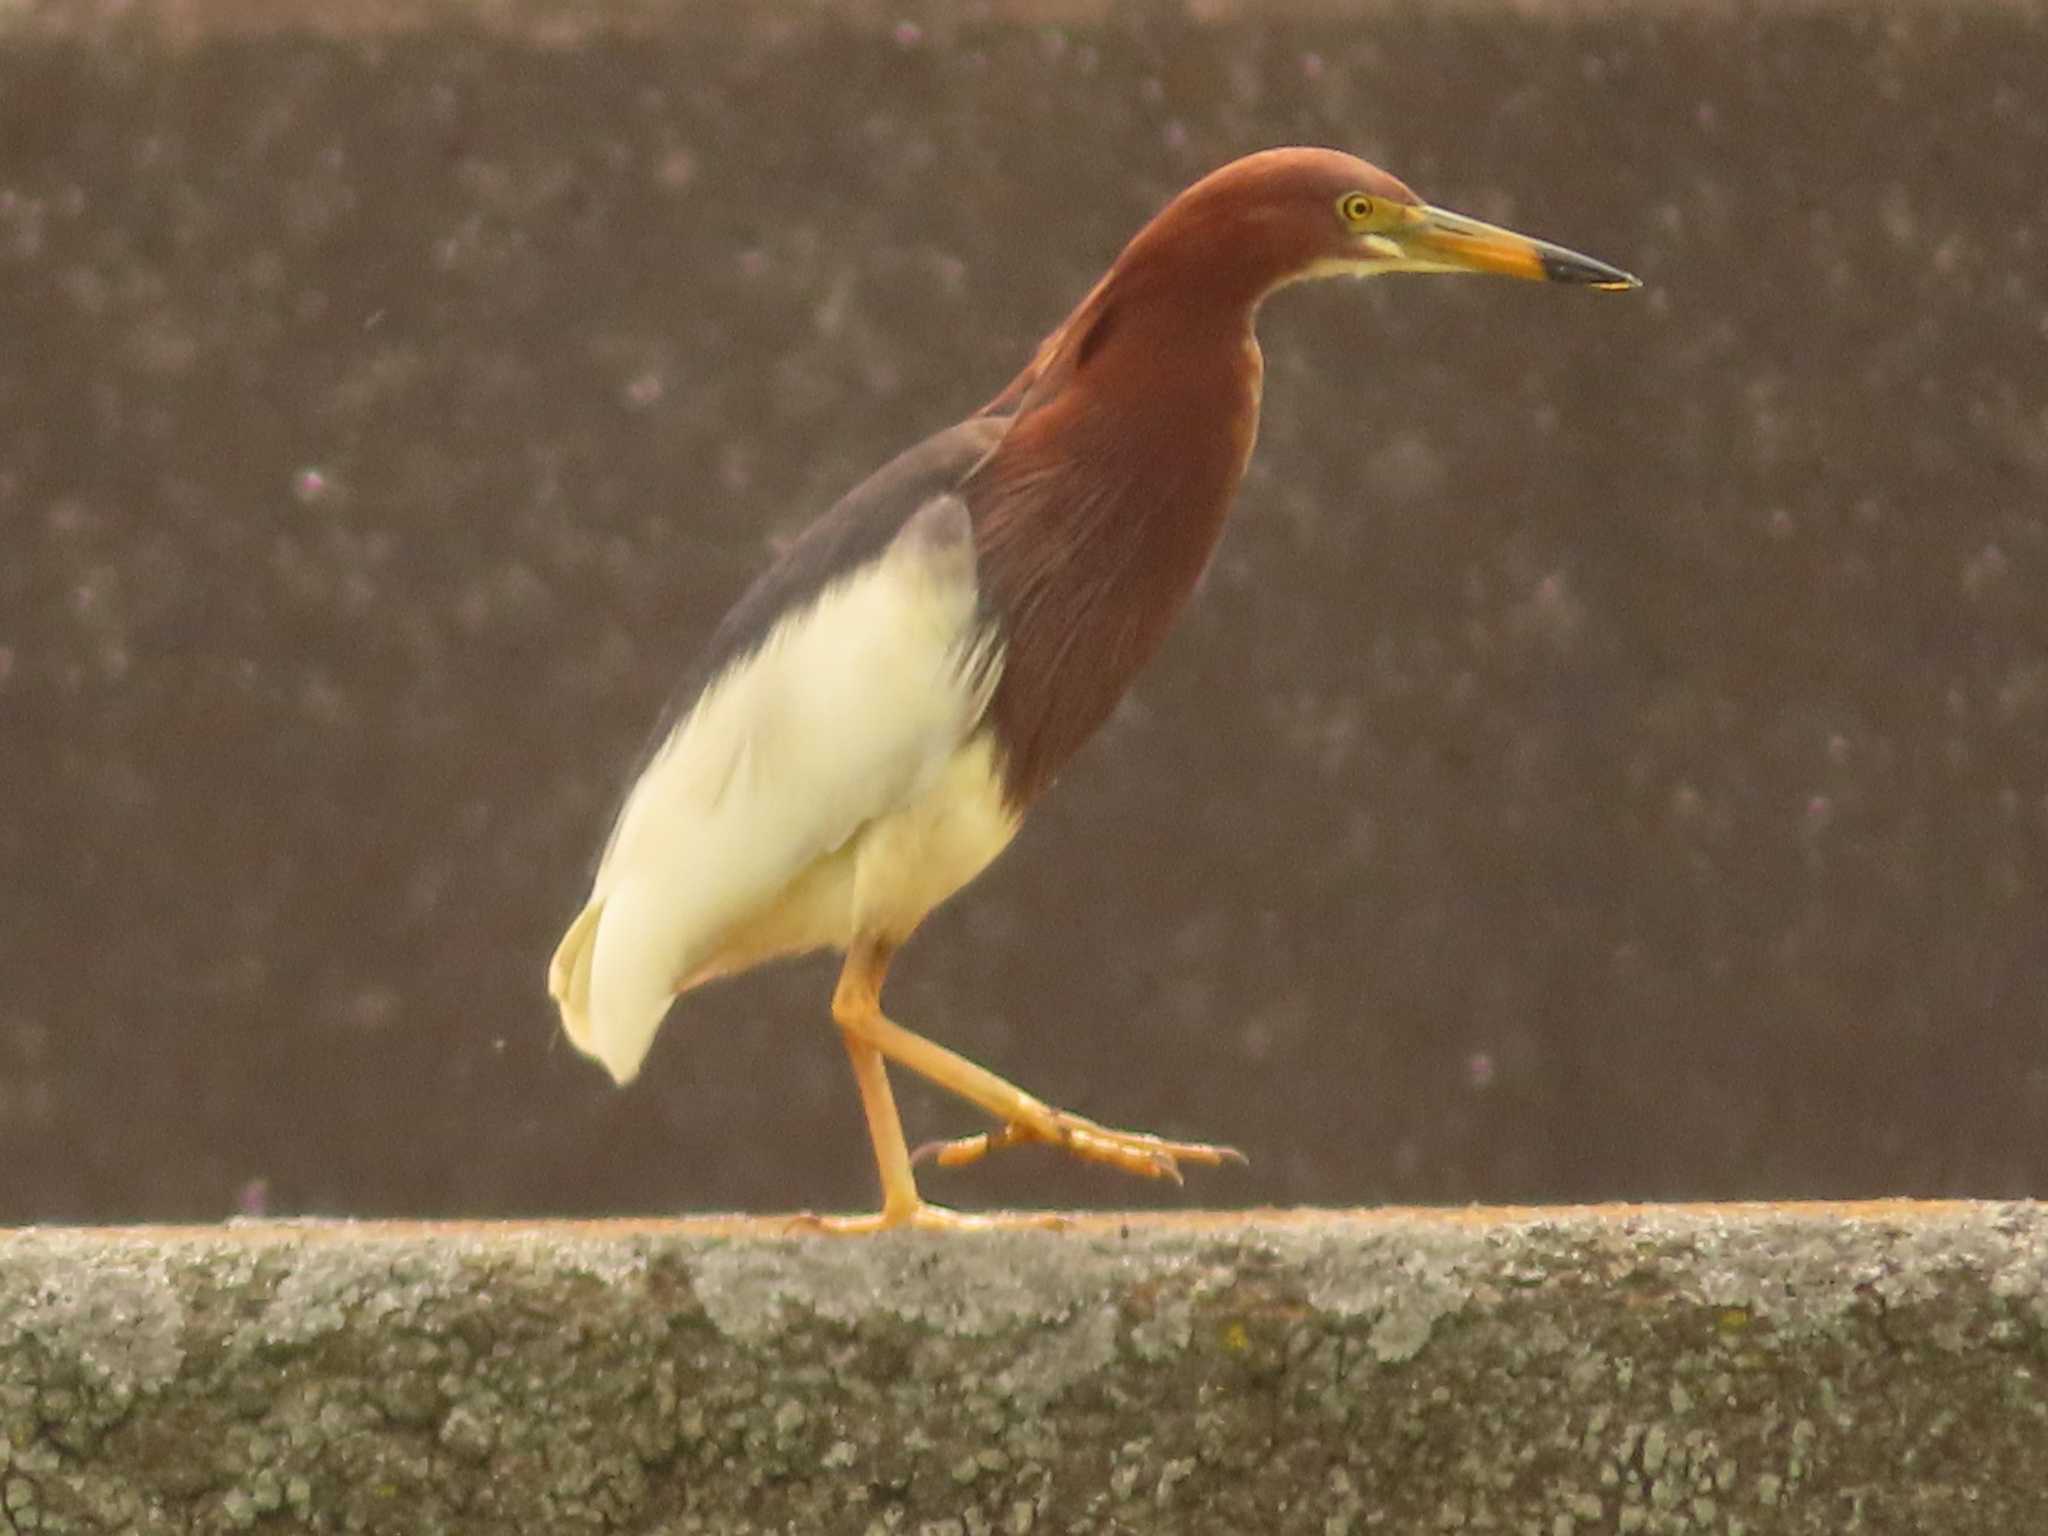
{"points": [[857, 1006], [885, 1129], [902, 1206]]}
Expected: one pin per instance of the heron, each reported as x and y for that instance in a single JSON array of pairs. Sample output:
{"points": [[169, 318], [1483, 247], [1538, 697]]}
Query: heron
{"points": [[872, 720]]}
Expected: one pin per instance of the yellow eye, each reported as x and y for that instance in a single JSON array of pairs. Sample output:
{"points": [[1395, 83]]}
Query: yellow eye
{"points": [[1354, 207]]}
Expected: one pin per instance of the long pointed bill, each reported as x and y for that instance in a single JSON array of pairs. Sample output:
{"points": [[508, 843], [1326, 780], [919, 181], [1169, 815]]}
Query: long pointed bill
{"points": [[1438, 240]]}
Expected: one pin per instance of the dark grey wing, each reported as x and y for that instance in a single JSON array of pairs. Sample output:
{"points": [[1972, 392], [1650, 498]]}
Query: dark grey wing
{"points": [[853, 534]]}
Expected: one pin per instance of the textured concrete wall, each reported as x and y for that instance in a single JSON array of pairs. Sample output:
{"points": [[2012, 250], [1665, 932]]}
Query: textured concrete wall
{"points": [[1674, 1373], [1607, 759]]}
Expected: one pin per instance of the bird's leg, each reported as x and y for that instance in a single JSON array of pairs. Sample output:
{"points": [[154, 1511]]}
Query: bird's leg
{"points": [[902, 1206], [1079, 1135], [857, 1005], [900, 1200]]}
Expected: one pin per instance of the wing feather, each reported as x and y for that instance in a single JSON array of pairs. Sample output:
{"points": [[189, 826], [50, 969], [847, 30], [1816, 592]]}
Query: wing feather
{"points": [[848, 708]]}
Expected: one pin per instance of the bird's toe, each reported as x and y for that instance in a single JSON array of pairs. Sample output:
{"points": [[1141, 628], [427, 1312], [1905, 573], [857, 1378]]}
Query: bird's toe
{"points": [[924, 1217]]}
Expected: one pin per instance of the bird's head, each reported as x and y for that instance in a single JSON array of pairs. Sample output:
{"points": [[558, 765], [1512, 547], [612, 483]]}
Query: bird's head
{"points": [[1199, 270], [1286, 215]]}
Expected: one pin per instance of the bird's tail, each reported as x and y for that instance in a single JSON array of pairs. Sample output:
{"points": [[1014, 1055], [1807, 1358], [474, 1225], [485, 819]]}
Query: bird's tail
{"points": [[611, 1023]]}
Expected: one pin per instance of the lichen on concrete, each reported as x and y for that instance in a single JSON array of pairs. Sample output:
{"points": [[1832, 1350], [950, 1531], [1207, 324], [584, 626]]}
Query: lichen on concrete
{"points": [[1753, 1369]]}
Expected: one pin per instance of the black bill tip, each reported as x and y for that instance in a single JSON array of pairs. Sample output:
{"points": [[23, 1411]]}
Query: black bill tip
{"points": [[1571, 267]]}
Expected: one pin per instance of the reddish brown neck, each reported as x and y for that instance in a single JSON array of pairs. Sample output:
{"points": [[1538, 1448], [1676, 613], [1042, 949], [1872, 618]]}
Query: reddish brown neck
{"points": [[1098, 513]]}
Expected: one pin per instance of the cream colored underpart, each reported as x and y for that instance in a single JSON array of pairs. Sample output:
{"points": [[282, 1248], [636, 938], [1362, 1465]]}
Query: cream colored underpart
{"points": [[833, 783], [888, 875]]}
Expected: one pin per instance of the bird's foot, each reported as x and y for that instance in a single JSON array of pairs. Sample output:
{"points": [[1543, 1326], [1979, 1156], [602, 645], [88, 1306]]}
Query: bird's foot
{"points": [[1148, 1156], [921, 1217]]}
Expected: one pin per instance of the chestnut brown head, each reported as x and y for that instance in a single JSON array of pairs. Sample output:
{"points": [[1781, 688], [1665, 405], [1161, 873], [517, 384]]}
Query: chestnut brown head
{"points": [[1287, 215]]}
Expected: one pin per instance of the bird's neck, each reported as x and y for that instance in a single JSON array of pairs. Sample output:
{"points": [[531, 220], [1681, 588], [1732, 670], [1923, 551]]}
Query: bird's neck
{"points": [[1099, 511]]}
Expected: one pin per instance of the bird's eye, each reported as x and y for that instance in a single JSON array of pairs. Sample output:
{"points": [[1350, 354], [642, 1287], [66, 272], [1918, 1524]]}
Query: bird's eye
{"points": [[1355, 207]]}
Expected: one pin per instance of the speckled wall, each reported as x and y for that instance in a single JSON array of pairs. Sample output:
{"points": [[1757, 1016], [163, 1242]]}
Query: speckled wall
{"points": [[1609, 757]]}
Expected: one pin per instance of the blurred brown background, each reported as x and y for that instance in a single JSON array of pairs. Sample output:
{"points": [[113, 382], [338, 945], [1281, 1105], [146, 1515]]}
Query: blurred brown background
{"points": [[1609, 757]]}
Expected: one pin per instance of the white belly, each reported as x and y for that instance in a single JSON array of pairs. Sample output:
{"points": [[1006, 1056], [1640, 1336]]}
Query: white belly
{"points": [[884, 879]]}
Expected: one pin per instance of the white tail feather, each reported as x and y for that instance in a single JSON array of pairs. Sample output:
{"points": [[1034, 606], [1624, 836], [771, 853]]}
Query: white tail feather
{"points": [[614, 1023]]}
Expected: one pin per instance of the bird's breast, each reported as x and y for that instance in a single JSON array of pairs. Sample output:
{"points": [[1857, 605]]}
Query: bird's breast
{"points": [[1096, 528]]}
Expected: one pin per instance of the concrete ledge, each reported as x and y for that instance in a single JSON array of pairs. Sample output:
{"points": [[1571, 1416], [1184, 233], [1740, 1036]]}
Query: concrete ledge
{"points": [[1716, 1368]]}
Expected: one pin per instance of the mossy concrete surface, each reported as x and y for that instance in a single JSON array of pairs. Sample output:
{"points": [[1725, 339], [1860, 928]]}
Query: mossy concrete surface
{"points": [[1721, 1369]]}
